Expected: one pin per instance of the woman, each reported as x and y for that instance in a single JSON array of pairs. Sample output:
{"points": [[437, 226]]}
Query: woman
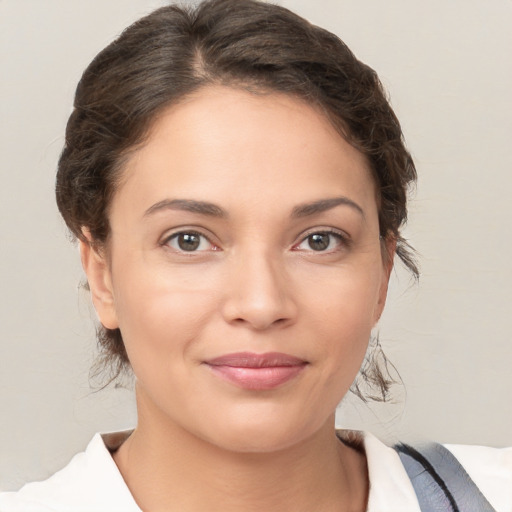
{"points": [[237, 182]]}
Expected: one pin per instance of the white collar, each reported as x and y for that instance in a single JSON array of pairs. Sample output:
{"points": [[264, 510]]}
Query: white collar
{"points": [[390, 487], [91, 482]]}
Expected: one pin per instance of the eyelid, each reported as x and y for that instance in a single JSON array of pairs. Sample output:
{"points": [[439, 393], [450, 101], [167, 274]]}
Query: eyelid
{"points": [[174, 233], [344, 238]]}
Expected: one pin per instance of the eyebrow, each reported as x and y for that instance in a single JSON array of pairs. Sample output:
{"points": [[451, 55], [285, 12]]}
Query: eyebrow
{"points": [[187, 205], [212, 210], [322, 205]]}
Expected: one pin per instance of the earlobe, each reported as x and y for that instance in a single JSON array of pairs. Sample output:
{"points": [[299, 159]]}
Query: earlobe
{"points": [[99, 278], [388, 253]]}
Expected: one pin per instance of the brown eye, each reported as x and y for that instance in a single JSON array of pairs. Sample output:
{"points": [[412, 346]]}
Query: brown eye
{"points": [[322, 241], [319, 241], [189, 241]]}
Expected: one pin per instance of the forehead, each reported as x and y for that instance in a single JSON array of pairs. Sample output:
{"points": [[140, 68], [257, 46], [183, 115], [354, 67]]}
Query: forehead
{"points": [[221, 139]]}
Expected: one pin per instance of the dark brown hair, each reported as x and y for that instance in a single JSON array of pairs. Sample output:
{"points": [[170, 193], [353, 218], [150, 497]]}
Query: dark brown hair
{"points": [[258, 46]]}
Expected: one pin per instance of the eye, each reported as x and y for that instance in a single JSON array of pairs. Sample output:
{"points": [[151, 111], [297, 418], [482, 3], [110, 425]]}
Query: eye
{"points": [[189, 241], [322, 241]]}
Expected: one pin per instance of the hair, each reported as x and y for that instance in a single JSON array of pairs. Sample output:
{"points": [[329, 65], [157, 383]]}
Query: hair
{"points": [[177, 50]]}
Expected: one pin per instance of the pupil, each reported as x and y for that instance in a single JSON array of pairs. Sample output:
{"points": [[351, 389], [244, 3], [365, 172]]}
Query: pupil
{"points": [[319, 241], [188, 242]]}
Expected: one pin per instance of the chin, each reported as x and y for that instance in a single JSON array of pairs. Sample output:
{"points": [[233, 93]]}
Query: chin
{"points": [[255, 441], [260, 433]]}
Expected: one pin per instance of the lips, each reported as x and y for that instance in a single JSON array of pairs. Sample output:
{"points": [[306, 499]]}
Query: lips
{"points": [[257, 371]]}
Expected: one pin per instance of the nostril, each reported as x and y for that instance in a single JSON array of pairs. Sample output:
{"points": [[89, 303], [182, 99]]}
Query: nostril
{"points": [[260, 298], [260, 323]]}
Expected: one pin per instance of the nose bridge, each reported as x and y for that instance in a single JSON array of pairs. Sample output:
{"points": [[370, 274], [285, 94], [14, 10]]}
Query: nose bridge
{"points": [[258, 292]]}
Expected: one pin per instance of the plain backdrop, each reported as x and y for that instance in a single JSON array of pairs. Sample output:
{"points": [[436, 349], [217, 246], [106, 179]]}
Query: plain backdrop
{"points": [[447, 67]]}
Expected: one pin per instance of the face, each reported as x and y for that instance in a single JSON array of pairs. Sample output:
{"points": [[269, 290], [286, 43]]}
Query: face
{"points": [[244, 269]]}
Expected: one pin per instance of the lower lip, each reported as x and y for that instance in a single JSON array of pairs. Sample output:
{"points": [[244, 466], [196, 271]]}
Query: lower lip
{"points": [[260, 379]]}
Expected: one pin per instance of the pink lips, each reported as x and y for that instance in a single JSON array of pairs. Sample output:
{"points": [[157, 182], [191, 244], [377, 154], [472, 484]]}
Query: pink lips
{"points": [[257, 371]]}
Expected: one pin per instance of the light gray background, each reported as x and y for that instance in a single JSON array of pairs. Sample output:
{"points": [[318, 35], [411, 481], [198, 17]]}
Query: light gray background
{"points": [[446, 65]]}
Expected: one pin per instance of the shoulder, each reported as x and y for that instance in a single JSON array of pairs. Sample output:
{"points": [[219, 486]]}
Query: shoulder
{"points": [[90, 482], [391, 489], [490, 469]]}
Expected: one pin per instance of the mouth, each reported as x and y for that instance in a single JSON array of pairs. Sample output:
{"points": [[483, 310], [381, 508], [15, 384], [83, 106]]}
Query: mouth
{"points": [[257, 371]]}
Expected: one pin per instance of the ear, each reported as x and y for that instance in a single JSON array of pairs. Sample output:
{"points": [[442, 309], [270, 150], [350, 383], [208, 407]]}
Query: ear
{"points": [[99, 278], [388, 248]]}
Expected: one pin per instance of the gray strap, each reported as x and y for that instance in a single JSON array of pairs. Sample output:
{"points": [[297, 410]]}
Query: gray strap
{"points": [[439, 480]]}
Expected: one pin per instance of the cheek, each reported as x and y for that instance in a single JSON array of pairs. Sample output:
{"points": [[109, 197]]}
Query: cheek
{"points": [[343, 315], [346, 296], [160, 315]]}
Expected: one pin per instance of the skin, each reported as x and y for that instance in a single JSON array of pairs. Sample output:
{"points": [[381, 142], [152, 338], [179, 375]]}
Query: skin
{"points": [[254, 284]]}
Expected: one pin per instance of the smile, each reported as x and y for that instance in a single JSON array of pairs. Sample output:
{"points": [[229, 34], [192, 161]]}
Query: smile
{"points": [[257, 371]]}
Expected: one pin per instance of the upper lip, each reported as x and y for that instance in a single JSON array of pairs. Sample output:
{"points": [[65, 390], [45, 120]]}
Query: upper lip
{"points": [[252, 360]]}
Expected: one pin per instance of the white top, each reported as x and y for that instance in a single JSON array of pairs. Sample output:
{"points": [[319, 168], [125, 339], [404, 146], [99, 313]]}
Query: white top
{"points": [[91, 482]]}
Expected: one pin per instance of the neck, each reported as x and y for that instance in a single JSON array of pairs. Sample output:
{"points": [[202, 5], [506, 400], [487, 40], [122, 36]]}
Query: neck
{"points": [[169, 468]]}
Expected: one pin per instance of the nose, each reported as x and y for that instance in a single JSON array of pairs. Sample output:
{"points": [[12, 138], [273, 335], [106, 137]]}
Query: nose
{"points": [[259, 293]]}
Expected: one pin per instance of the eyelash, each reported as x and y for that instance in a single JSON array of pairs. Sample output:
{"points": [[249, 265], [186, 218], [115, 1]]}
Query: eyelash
{"points": [[175, 236], [342, 239]]}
